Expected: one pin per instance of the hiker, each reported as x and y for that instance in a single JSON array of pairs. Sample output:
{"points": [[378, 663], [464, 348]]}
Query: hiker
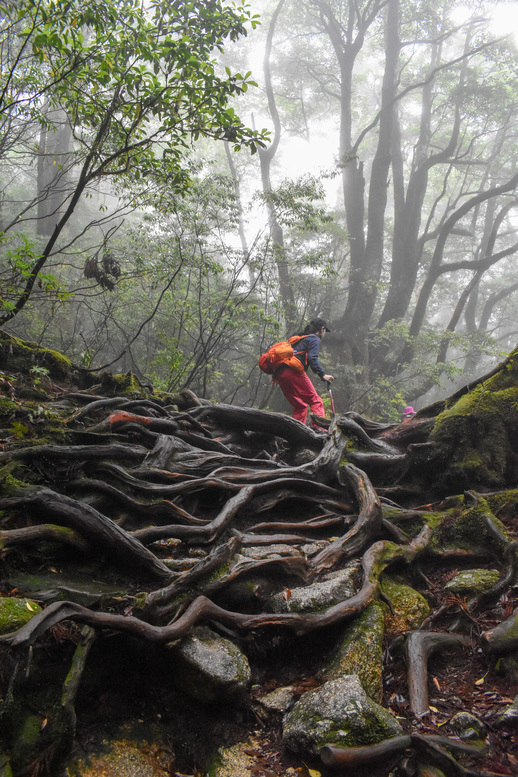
{"points": [[408, 413], [296, 386]]}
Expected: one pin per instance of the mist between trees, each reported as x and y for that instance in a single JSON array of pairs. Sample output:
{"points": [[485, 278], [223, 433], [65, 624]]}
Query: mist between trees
{"points": [[140, 229]]}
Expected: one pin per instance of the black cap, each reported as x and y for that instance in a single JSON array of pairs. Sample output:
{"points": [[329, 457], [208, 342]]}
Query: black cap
{"points": [[319, 324]]}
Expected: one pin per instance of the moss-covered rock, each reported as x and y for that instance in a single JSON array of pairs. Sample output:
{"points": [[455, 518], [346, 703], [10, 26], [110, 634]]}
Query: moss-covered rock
{"points": [[338, 713], [19, 356], [121, 384], [8, 408], [408, 610], [473, 581], [475, 528], [15, 613], [361, 652], [473, 441]]}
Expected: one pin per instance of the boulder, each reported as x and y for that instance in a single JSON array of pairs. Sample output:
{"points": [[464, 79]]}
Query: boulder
{"points": [[338, 713], [273, 705], [209, 667]]}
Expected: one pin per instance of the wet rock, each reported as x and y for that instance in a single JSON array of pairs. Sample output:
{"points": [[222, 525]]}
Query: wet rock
{"points": [[408, 607], [272, 706], [15, 613], [338, 713], [209, 667], [468, 727], [361, 652], [474, 581], [334, 588]]}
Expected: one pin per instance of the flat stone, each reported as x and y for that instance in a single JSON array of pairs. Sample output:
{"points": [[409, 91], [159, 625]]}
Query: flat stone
{"points": [[334, 588], [278, 700]]}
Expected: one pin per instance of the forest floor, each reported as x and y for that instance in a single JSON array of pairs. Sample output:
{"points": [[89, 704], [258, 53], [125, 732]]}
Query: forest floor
{"points": [[465, 680]]}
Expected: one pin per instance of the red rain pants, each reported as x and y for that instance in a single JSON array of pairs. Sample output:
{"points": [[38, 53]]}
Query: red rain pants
{"points": [[300, 392]]}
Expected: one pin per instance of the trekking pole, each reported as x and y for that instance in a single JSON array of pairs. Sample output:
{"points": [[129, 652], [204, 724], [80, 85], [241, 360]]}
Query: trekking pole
{"points": [[328, 383]]}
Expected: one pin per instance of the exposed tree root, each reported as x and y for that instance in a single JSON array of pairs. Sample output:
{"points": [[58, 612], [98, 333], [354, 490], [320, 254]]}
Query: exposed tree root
{"points": [[419, 647], [189, 495]]}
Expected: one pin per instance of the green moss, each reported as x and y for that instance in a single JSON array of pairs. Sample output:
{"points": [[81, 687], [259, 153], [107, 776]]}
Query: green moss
{"points": [[503, 501], [26, 746], [315, 721], [22, 355], [409, 607], [15, 613], [470, 440], [125, 384], [9, 484], [474, 581], [471, 531], [5, 766], [361, 651], [7, 407]]}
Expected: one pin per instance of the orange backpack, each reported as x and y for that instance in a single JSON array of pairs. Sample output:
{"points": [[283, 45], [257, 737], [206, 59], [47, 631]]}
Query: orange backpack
{"points": [[281, 353]]}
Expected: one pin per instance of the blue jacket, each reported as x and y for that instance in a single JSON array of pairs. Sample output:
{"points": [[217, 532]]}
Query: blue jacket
{"points": [[307, 351]]}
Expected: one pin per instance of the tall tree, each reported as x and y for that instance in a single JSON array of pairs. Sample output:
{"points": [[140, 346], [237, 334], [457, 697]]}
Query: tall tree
{"points": [[137, 84]]}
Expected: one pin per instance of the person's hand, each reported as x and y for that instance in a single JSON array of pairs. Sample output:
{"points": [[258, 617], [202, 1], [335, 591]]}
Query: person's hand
{"points": [[328, 378]]}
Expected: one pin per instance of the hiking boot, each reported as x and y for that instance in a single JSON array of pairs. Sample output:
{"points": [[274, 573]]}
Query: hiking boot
{"points": [[318, 429]]}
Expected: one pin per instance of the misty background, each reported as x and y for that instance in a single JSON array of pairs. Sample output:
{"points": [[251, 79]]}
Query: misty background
{"points": [[382, 196]]}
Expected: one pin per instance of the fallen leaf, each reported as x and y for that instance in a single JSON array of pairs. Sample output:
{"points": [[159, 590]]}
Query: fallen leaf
{"points": [[436, 683], [29, 607], [434, 709], [312, 772]]}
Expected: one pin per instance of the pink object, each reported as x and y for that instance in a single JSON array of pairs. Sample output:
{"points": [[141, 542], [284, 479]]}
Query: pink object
{"points": [[409, 410]]}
